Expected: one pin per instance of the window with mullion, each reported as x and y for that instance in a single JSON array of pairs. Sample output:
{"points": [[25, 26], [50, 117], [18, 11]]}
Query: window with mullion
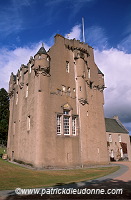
{"points": [[66, 125]]}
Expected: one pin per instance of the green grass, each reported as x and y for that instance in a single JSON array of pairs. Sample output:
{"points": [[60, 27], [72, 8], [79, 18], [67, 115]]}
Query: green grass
{"points": [[2, 150], [13, 176]]}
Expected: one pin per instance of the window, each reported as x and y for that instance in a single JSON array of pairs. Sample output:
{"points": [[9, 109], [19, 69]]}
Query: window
{"points": [[66, 125], [26, 90], [28, 123], [110, 138], [74, 89], [59, 124], [89, 73], [119, 138], [67, 66], [63, 88], [68, 91], [16, 98], [80, 88], [121, 151], [73, 125]]}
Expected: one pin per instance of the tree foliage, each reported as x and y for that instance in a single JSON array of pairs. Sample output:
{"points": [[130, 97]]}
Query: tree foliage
{"points": [[4, 115]]}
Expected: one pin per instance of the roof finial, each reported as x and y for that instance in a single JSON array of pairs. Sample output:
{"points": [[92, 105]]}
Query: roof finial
{"points": [[42, 44]]}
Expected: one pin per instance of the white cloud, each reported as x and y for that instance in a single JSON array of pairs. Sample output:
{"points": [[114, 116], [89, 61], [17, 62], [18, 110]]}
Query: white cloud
{"points": [[96, 37], [116, 65], [11, 60], [125, 44], [75, 33]]}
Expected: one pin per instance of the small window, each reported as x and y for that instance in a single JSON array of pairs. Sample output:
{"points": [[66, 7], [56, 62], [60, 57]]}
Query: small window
{"points": [[28, 123], [73, 125], [110, 138], [74, 89], [67, 66], [91, 85], [89, 73], [80, 88], [59, 124], [68, 91], [63, 88], [121, 151], [39, 57]]}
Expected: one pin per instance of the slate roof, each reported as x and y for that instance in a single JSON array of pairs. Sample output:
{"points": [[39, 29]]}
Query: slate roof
{"points": [[114, 126], [42, 51], [99, 71]]}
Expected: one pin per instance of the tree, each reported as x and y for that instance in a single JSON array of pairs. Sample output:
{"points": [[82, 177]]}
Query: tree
{"points": [[4, 115]]}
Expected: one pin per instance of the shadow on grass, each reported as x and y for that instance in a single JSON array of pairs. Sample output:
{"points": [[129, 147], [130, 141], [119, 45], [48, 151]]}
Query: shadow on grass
{"points": [[94, 184]]}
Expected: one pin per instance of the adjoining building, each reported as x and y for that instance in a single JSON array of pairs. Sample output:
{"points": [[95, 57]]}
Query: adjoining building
{"points": [[118, 140], [56, 108]]}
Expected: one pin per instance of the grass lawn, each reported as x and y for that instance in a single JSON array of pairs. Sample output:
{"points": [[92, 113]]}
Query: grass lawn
{"points": [[13, 176]]}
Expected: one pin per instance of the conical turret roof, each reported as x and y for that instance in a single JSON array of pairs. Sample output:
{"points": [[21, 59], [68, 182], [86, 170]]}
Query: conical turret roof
{"points": [[42, 50]]}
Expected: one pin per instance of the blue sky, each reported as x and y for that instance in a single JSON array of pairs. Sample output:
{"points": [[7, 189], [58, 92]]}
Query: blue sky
{"points": [[25, 24]]}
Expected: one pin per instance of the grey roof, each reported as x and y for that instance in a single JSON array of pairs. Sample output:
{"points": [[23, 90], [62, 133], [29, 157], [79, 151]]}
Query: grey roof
{"points": [[114, 126], [42, 51], [99, 71]]}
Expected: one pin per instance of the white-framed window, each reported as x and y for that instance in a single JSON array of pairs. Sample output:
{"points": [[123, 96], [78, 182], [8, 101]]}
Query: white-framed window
{"points": [[68, 91], [73, 125], [110, 138], [121, 151], [16, 98], [59, 124], [27, 87], [63, 88], [74, 89], [119, 138], [66, 125], [67, 67], [89, 73], [28, 123]]}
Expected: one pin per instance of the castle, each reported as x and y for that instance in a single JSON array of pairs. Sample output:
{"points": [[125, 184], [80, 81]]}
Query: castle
{"points": [[56, 108]]}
